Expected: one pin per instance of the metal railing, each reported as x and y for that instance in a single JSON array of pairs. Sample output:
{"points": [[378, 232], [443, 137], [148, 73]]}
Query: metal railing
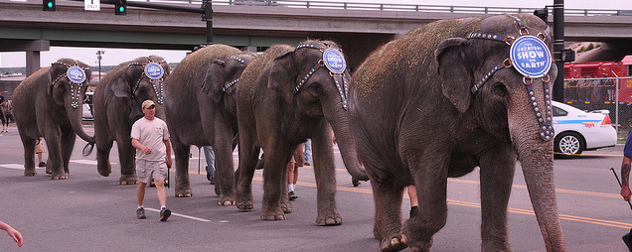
{"points": [[395, 7]]}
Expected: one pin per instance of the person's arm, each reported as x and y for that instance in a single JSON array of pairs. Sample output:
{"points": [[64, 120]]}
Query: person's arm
{"points": [[17, 237], [138, 145], [625, 178], [169, 162]]}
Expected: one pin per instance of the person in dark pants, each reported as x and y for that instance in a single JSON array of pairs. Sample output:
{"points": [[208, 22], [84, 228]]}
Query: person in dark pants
{"points": [[625, 181]]}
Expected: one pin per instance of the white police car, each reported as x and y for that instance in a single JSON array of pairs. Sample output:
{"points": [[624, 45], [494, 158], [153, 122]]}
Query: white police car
{"points": [[577, 130]]}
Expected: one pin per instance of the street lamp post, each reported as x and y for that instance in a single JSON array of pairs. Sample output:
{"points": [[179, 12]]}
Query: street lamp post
{"points": [[99, 53]]}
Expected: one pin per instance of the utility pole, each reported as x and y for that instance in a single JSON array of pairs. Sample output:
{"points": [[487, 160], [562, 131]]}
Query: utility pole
{"points": [[99, 53]]}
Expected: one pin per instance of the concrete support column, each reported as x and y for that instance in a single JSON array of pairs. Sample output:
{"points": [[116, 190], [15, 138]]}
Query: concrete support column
{"points": [[32, 62]]}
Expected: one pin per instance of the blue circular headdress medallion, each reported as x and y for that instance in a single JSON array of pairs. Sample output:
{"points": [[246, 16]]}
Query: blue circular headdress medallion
{"points": [[154, 71], [334, 61], [530, 56], [76, 74]]}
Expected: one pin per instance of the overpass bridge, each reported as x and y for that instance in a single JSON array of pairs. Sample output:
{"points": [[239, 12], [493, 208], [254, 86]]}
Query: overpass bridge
{"points": [[359, 27]]}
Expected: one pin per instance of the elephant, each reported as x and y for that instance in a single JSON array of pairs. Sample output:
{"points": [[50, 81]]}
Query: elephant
{"points": [[201, 110], [286, 95], [117, 105], [448, 97], [49, 104]]}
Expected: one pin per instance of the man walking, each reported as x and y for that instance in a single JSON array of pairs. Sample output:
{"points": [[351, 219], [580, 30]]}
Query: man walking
{"points": [[150, 137]]}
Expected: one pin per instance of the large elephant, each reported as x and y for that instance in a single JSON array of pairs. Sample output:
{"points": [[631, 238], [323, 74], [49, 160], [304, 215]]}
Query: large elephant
{"points": [[448, 97], [285, 96], [117, 105], [49, 104], [201, 110]]}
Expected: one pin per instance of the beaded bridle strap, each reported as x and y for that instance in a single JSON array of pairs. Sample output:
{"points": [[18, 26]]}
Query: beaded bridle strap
{"points": [[525, 68], [76, 76], [334, 61], [232, 83], [155, 73]]}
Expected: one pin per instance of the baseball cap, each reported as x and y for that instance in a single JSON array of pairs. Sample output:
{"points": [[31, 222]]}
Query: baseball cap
{"points": [[148, 103]]}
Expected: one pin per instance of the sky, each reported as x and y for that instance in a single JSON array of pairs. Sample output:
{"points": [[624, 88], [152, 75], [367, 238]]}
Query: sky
{"points": [[116, 56]]}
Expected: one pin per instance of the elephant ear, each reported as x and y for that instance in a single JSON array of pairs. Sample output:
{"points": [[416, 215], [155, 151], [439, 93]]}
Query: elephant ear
{"points": [[456, 77], [214, 80], [121, 88], [55, 71], [283, 75]]}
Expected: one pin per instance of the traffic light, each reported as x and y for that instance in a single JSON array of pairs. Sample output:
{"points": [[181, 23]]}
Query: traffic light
{"points": [[49, 5], [568, 55], [542, 13], [120, 7]]}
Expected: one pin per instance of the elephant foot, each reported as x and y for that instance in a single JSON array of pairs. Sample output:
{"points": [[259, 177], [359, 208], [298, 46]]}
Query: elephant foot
{"points": [[286, 207], [48, 170], [394, 243], [419, 246], [244, 205], [104, 173], [30, 172], [244, 202], [272, 215], [184, 193], [128, 180], [59, 176], [226, 201], [328, 219]]}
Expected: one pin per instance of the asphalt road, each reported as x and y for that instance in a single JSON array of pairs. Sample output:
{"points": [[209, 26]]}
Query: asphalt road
{"points": [[89, 212]]}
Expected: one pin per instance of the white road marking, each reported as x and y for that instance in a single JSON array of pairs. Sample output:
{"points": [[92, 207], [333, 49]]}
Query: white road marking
{"points": [[16, 166], [180, 215], [84, 161]]}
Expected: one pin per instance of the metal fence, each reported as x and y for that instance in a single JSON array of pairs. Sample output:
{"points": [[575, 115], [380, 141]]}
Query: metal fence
{"points": [[613, 94], [395, 7]]}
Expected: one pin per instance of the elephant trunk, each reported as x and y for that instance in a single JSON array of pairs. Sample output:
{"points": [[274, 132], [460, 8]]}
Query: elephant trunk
{"points": [[75, 117], [536, 159], [340, 125]]}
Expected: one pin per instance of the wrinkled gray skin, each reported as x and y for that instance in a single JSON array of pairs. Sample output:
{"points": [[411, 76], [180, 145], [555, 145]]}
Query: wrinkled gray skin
{"points": [[42, 109], [415, 121], [115, 111], [200, 113], [272, 117]]}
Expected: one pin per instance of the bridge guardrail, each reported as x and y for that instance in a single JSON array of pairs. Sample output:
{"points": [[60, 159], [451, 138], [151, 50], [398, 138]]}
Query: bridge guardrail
{"points": [[400, 7]]}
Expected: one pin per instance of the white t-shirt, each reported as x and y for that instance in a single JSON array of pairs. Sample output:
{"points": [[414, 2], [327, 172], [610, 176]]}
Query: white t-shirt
{"points": [[151, 133]]}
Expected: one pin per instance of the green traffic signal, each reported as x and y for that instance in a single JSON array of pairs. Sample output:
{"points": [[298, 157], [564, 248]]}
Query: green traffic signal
{"points": [[120, 7], [48, 5]]}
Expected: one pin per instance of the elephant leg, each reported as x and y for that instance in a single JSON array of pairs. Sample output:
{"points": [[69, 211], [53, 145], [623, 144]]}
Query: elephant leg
{"points": [[127, 155], [181, 152], [274, 176], [104, 167], [496, 174], [55, 160], [248, 157], [225, 174], [430, 179], [325, 173], [67, 145], [387, 221], [29, 154], [286, 206]]}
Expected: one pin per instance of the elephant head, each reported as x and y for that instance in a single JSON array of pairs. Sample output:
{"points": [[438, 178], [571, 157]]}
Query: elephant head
{"points": [[503, 73], [69, 81], [222, 75], [319, 93], [143, 80]]}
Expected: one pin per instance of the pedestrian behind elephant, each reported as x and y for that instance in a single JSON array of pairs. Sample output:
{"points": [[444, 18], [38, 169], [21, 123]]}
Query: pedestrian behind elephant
{"points": [[209, 154], [5, 122], [150, 137], [292, 173], [17, 237], [39, 149], [625, 181], [308, 151]]}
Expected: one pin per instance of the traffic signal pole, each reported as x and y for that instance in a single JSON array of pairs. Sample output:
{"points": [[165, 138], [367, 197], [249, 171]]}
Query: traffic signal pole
{"points": [[558, 48]]}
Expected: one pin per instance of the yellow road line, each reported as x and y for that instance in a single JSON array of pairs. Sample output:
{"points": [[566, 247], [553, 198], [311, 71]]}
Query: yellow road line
{"points": [[601, 222]]}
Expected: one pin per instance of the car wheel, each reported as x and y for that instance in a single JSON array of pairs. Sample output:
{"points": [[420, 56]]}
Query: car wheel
{"points": [[569, 143]]}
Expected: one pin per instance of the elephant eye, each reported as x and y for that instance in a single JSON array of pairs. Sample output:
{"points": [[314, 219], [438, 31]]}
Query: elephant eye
{"points": [[315, 88], [500, 89]]}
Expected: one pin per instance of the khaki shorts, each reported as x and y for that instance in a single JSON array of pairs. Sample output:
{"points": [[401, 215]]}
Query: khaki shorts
{"points": [[39, 147], [145, 170]]}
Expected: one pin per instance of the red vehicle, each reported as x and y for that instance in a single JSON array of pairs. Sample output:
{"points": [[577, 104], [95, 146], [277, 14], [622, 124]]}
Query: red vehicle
{"points": [[594, 82]]}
